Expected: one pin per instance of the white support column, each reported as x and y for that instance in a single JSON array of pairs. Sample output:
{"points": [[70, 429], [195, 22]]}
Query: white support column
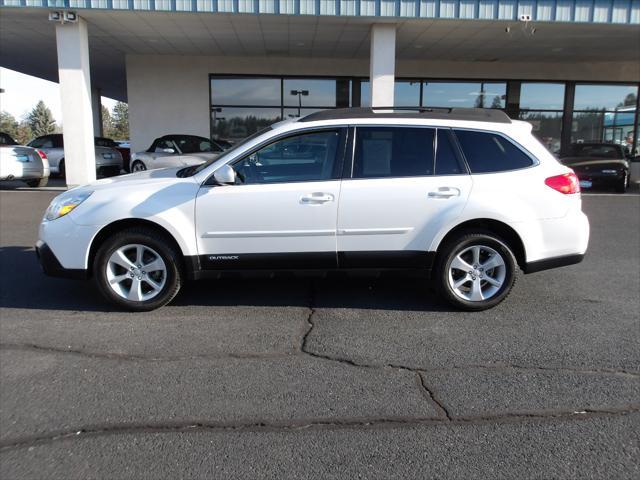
{"points": [[382, 64], [96, 107], [75, 94]]}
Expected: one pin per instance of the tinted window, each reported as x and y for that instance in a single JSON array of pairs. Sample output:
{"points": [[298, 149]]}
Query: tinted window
{"points": [[42, 142], [6, 139], [196, 145], [446, 159], [300, 158], [489, 152], [596, 150], [105, 142], [393, 152], [162, 144]]}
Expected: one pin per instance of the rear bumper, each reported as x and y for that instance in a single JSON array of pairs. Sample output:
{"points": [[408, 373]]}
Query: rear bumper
{"points": [[51, 265]]}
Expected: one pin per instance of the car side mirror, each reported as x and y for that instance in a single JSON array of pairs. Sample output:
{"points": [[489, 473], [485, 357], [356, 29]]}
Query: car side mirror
{"points": [[168, 150], [225, 175]]}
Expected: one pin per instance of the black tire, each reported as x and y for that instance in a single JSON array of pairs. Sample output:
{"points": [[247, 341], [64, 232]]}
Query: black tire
{"points": [[461, 243], [61, 170], [37, 182], [623, 185], [142, 167], [148, 238]]}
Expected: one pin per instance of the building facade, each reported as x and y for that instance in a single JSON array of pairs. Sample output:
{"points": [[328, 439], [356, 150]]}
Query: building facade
{"points": [[224, 68]]}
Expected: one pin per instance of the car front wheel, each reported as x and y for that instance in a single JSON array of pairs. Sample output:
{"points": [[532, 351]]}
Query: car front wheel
{"points": [[624, 184], [475, 271], [138, 269]]}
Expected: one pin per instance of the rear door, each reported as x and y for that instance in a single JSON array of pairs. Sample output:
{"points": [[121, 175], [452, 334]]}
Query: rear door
{"points": [[405, 184]]}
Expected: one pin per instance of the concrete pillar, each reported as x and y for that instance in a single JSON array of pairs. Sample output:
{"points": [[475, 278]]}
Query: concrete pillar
{"points": [[75, 95], [96, 107], [382, 65]]}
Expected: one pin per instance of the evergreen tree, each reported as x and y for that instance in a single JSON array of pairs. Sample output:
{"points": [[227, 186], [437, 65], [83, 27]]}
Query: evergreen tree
{"points": [[23, 133], [107, 123], [41, 120], [120, 118], [497, 102]]}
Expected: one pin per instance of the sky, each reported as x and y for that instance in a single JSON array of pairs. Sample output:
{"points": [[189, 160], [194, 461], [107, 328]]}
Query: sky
{"points": [[22, 92]]}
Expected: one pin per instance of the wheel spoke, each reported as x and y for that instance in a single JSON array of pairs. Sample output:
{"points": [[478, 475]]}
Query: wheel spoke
{"points": [[476, 291], [493, 262], [493, 281], [139, 253], [462, 281], [476, 255], [135, 293], [118, 279], [119, 258], [154, 266], [459, 264], [152, 283]]}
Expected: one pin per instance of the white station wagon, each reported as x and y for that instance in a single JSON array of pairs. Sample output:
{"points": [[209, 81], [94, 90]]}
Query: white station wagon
{"points": [[466, 197]]}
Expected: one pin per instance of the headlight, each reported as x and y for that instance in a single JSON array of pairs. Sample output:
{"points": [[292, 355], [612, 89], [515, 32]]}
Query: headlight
{"points": [[65, 203]]}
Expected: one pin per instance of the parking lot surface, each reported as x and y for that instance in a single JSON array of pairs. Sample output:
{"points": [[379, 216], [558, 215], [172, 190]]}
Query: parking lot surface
{"points": [[323, 378]]}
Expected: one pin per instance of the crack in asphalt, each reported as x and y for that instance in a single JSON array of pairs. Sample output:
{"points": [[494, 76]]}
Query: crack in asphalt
{"points": [[444, 417], [292, 425]]}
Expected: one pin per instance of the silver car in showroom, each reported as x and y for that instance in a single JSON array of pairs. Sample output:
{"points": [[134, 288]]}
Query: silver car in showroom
{"points": [[108, 160], [175, 151], [18, 162]]}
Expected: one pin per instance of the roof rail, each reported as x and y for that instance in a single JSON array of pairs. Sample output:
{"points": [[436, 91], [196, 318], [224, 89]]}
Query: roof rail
{"points": [[435, 113]]}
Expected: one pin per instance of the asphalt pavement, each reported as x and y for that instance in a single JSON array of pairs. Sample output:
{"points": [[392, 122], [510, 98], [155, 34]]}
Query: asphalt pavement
{"points": [[323, 378]]}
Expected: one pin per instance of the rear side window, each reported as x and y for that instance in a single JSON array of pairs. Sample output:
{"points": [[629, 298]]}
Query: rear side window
{"points": [[393, 152], [447, 161], [489, 152]]}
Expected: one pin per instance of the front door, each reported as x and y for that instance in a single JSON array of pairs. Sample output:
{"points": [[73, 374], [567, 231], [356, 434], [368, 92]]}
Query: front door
{"points": [[406, 184], [282, 211]]}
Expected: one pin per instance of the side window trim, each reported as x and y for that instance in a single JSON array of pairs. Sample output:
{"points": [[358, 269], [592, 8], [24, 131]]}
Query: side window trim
{"points": [[457, 150], [340, 152], [534, 160]]}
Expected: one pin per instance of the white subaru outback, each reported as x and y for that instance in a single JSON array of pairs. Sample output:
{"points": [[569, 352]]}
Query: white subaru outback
{"points": [[465, 197]]}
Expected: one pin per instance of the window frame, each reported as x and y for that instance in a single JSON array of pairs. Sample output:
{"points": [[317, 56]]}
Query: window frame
{"points": [[534, 160], [337, 167]]}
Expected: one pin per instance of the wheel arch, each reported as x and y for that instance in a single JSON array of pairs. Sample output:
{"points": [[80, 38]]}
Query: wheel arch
{"points": [[504, 231], [123, 224]]}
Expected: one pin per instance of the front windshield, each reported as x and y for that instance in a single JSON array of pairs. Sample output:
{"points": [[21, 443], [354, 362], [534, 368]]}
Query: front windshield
{"points": [[190, 171]]}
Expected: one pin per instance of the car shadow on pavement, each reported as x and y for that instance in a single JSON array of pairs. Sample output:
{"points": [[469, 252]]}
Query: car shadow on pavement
{"points": [[23, 285]]}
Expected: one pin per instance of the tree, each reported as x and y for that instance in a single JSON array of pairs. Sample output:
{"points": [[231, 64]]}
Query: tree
{"points": [[19, 131], [497, 102], [120, 119], [8, 124], [107, 122], [41, 120]]}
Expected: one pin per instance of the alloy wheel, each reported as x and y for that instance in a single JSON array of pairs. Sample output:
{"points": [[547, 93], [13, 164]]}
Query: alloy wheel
{"points": [[477, 273], [136, 272]]}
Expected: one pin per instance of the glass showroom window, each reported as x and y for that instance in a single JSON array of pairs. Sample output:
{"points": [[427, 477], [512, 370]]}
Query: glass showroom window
{"points": [[541, 104], [604, 113], [241, 106], [464, 94], [406, 93]]}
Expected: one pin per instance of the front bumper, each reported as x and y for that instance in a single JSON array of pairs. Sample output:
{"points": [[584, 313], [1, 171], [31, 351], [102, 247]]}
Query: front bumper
{"points": [[51, 265]]}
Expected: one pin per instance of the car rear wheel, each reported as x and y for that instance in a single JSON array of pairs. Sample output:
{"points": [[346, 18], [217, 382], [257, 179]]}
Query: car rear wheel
{"points": [[475, 271], [624, 184], [138, 269], [37, 182], [138, 166]]}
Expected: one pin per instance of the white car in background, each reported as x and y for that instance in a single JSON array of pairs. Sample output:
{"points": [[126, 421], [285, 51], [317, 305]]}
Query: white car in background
{"points": [[18, 162], [175, 151], [467, 197], [108, 160]]}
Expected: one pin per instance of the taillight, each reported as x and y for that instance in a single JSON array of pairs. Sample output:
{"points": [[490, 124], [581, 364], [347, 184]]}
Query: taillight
{"points": [[43, 155], [567, 183]]}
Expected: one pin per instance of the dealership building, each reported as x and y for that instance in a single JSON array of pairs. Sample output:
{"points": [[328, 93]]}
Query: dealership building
{"points": [[225, 68]]}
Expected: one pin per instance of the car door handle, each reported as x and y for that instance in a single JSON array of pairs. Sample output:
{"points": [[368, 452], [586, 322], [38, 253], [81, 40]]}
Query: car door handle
{"points": [[445, 192], [316, 198]]}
